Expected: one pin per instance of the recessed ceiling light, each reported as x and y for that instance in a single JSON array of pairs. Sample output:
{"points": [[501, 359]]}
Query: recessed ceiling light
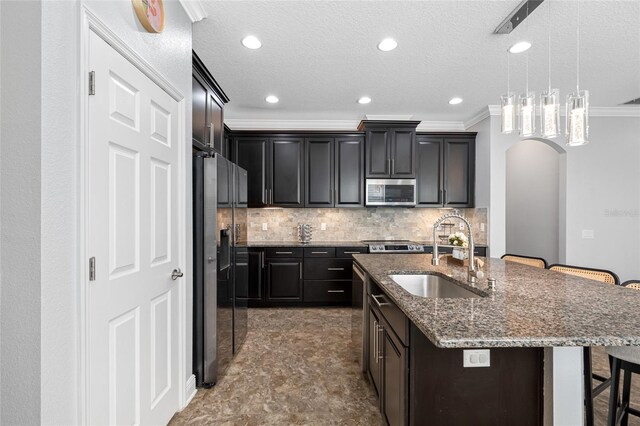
{"points": [[387, 44], [455, 101], [272, 99], [364, 100], [251, 42], [520, 47]]}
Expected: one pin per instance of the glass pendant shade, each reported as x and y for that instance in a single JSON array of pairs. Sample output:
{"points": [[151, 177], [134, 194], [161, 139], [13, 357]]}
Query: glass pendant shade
{"points": [[527, 114], [577, 126], [550, 113], [508, 112]]}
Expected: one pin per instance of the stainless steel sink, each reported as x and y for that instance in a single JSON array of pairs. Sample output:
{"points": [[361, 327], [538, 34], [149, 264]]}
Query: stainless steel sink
{"points": [[435, 286]]}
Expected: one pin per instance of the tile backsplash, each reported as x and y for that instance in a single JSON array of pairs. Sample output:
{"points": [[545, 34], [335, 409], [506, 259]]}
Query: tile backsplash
{"points": [[357, 224]]}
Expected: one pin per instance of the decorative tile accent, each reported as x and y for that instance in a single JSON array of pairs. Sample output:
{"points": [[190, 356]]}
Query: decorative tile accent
{"points": [[356, 224]]}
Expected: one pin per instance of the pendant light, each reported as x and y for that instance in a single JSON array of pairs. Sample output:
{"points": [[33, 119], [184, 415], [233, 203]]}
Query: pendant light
{"points": [[527, 104], [550, 98], [577, 118], [508, 105]]}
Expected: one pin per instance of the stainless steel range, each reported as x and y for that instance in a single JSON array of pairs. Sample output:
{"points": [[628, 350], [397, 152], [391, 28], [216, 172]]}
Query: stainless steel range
{"points": [[394, 246]]}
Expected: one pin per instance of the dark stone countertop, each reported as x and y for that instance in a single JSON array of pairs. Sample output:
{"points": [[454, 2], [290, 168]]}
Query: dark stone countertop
{"points": [[531, 307]]}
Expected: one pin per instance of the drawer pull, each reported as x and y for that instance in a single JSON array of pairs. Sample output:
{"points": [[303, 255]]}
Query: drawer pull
{"points": [[335, 269], [319, 252], [335, 291], [352, 252], [284, 252], [375, 299]]}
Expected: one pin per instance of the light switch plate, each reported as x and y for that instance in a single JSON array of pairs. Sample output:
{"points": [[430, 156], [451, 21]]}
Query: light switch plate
{"points": [[264, 227], [482, 227], [476, 358], [588, 234]]}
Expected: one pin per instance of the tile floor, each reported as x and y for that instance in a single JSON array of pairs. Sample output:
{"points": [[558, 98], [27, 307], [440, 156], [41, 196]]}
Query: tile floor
{"points": [[297, 368]]}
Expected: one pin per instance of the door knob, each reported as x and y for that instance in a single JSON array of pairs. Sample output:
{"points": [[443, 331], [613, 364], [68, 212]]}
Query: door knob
{"points": [[177, 273]]}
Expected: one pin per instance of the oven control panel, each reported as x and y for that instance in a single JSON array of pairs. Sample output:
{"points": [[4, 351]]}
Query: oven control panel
{"points": [[396, 248]]}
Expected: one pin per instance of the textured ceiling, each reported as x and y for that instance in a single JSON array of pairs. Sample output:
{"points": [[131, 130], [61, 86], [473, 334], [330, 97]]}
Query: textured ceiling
{"points": [[319, 57]]}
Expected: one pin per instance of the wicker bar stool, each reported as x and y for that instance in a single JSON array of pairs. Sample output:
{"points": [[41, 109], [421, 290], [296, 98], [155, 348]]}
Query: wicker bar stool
{"points": [[538, 262], [625, 358], [590, 392]]}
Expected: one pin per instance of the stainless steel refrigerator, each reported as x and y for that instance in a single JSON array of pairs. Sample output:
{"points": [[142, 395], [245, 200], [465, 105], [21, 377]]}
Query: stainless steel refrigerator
{"points": [[219, 218]]}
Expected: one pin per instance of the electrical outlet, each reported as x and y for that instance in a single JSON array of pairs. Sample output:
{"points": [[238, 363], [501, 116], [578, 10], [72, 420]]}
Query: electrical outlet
{"points": [[482, 227], [264, 227], [476, 358], [461, 226], [588, 234], [323, 226]]}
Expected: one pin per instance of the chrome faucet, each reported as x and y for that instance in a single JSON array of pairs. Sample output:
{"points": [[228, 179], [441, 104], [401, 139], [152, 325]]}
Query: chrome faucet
{"points": [[473, 274]]}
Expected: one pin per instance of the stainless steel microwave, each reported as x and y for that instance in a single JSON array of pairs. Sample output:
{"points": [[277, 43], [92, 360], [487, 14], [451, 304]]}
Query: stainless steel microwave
{"points": [[391, 192]]}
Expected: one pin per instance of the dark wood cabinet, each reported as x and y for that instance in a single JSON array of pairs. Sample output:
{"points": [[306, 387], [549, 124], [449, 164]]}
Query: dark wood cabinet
{"points": [[429, 181], [319, 177], [349, 171], [459, 171], [284, 279], [208, 100], [374, 330], [224, 174], [241, 187], [446, 170], [275, 169], [390, 148], [286, 172], [251, 154], [395, 371]]}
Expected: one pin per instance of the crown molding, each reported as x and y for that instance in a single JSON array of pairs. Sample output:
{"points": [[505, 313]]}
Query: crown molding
{"points": [[194, 9], [338, 125], [441, 126], [267, 124], [484, 113], [388, 117]]}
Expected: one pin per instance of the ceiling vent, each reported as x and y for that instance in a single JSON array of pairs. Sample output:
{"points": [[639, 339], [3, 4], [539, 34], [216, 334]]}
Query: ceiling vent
{"points": [[635, 101], [518, 15]]}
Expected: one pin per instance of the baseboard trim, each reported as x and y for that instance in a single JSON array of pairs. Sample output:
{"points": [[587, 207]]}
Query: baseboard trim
{"points": [[190, 389]]}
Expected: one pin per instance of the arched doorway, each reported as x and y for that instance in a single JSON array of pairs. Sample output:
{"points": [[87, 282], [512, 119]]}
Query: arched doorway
{"points": [[535, 198]]}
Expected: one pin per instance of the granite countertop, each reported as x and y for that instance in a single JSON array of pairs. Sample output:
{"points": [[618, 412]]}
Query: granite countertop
{"points": [[311, 244], [530, 307]]}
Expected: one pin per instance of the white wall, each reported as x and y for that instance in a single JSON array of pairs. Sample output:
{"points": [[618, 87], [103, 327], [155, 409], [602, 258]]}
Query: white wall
{"points": [[602, 194], [40, 363], [20, 194], [532, 200]]}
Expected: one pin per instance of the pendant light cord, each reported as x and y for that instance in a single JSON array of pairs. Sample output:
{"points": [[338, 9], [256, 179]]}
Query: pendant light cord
{"points": [[549, 43], [578, 51], [527, 58]]}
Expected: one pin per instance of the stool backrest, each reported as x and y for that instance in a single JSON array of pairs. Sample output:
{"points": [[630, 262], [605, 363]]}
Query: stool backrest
{"points": [[634, 284], [538, 262], [601, 275]]}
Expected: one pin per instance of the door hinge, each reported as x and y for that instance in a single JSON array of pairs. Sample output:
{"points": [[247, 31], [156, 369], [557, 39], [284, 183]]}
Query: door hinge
{"points": [[92, 82], [92, 269]]}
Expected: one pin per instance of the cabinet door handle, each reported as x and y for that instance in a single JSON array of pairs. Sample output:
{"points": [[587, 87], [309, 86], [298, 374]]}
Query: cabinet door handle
{"points": [[393, 166], [375, 340], [352, 252], [335, 269], [319, 252], [300, 270], [271, 196], [380, 353], [284, 252], [375, 299], [262, 260], [211, 135], [335, 291], [389, 165]]}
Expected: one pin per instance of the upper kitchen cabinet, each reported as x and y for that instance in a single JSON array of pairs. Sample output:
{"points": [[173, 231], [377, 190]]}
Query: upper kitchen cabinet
{"points": [[446, 170], [275, 168], [390, 148], [208, 100], [287, 172], [251, 153], [334, 171]]}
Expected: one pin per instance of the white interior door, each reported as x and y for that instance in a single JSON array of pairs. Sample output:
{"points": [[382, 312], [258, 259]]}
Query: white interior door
{"points": [[133, 235]]}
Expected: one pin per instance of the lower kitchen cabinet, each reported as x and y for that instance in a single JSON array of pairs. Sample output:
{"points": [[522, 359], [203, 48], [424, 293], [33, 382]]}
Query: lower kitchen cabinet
{"points": [[284, 280], [373, 349], [329, 292], [395, 370]]}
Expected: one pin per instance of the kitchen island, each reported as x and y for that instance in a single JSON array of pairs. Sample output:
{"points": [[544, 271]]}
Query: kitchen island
{"points": [[553, 315]]}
